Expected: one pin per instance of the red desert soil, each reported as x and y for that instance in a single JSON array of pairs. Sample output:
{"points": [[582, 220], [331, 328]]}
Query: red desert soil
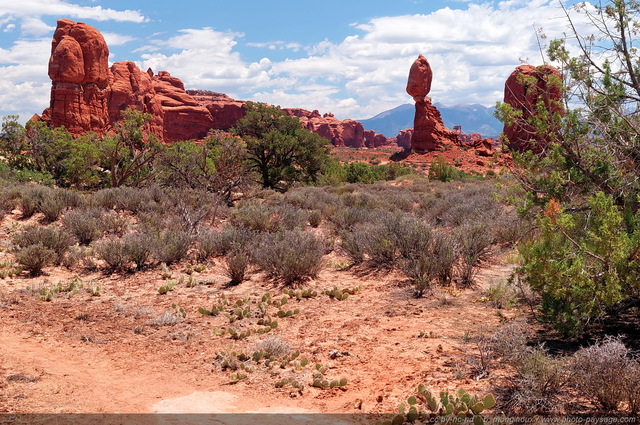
{"points": [[82, 353]]}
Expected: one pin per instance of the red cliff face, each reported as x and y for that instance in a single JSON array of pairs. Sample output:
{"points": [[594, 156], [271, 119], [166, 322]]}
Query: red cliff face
{"points": [[79, 72], [347, 132], [429, 132], [87, 95], [525, 88]]}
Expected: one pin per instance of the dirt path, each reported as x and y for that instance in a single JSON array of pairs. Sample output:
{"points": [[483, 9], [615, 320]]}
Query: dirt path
{"points": [[113, 362]]}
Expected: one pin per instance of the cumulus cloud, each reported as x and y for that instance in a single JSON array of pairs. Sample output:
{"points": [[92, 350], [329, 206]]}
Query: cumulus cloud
{"points": [[205, 58], [114, 39], [472, 50], [65, 8]]}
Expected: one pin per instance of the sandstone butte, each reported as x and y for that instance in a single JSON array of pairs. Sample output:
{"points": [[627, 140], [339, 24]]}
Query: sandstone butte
{"points": [[525, 88], [88, 95]]}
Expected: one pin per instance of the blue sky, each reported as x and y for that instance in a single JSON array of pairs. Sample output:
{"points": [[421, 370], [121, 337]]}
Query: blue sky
{"points": [[349, 57]]}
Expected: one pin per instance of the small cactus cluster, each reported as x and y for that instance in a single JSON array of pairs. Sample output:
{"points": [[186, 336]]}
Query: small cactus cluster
{"points": [[425, 407], [324, 384], [71, 287], [165, 289], [262, 310], [237, 335], [290, 380], [302, 294], [191, 268], [192, 282], [319, 380], [179, 311], [216, 308], [342, 294], [289, 313]]}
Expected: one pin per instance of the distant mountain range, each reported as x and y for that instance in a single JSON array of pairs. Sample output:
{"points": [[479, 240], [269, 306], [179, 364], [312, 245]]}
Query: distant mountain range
{"points": [[472, 118]]}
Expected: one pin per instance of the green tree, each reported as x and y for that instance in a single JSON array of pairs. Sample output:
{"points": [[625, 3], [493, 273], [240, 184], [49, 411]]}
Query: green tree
{"points": [[52, 154], [216, 164], [279, 149], [129, 153], [584, 190]]}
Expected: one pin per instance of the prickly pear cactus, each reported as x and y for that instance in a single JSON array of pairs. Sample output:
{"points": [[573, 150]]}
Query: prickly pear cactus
{"points": [[426, 407]]}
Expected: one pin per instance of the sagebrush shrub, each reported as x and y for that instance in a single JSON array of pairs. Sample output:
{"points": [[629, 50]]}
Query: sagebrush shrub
{"points": [[55, 239], [607, 374], [218, 243], [113, 252], [85, 224], [32, 198], [315, 218], [346, 218], [291, 255], [236, 264], [35, 257], [139, 247], [253, 216], [172, 246], [474, 241]]}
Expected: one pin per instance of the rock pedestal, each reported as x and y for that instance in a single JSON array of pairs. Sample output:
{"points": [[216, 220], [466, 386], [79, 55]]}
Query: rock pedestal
{"points": [[429, 132]]}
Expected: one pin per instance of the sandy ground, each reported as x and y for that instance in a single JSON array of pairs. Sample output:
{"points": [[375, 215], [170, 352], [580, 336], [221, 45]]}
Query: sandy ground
{"points": [[80, 353]]}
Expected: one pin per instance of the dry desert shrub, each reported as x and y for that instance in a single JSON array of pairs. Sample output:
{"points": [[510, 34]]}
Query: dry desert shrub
{"points": [[540, 378], [212, 243], [273, 346], [290, 255], [86, 225], [35, 257], [55, 239], [171, 246], [167, 318], [607, 374], [236, 264]]}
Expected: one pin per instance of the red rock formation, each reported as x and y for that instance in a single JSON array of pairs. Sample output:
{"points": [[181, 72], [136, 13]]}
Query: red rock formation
{"points": [[375, 140], [341, 133], [132, 87], [471, 139], [79, 72], [403, 139], [88, 96], [525, 88], [224, 110], [429, 132], [184, 117], [486, 147]]}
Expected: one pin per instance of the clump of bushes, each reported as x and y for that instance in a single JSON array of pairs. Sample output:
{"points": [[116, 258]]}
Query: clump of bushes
{"points": [[86, 225], [52, 239], [290, 255], [35, 257], [172, 246]]}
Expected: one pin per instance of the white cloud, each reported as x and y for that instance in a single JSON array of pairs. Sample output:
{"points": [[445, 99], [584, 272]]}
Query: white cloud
{"points": [[472, 51], [277, 45], [114, 39], [36, 27], [205, 59], [64, 8]]}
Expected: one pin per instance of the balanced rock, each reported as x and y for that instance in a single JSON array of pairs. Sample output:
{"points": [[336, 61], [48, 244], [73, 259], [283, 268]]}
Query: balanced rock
{"points": [[524, 90], [429, 132]]}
